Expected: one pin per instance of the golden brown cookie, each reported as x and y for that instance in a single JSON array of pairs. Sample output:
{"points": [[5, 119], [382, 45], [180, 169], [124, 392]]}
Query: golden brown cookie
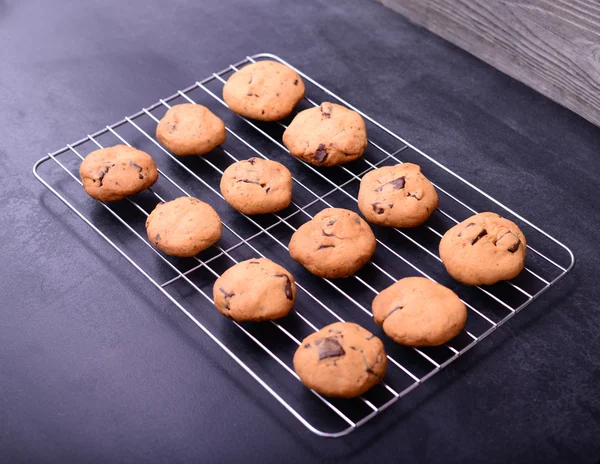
{"points": [[255, 290], [416, 311], [265, 90], [114, 173], [190, 129], [326, 135], [483, 249], [341, 360], [183, 227], [397, 196], [257, 186], [335, 243]]}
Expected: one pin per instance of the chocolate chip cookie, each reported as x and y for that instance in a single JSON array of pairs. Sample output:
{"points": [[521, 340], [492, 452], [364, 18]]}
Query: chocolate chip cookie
{"points": [[114, 173], [335, 243], [190, 129], [265, 90], [483, 249], [326, 135], [341, 360], [416, 311], [183, 227], [257, 186], [397, 196], [255, 290]]}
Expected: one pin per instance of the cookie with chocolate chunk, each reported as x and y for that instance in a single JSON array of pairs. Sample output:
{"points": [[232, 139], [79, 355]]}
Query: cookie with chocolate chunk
{"points": [[114, 173], [341, 360], [483, 249], [257, 186], [326, 135], [255, 290], [416, 311], [335, 243], [183, 227], [190, 129], [265, 90], [397, 196]]}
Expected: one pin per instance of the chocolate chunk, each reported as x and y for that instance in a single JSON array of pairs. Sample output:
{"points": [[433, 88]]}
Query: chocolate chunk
{"points": [[470, 224], [335, 331], [329, 347], [248, 181], [295, 81], [227, 296], [262, 111], [101, 174], [332, 222], [267, 189], [397, 184], [157, 238], [277, 94], [326, 111], [483, 233], [515, 246], [377, 209], [138, 167], [249, 94], [307, 345], [288, 286], [321, 153], [252, 161], [325, 246], [253, 262], [256, 95]]}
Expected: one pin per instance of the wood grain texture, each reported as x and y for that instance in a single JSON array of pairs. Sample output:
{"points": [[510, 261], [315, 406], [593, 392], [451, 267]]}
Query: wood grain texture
{"points": [[551, 45]]}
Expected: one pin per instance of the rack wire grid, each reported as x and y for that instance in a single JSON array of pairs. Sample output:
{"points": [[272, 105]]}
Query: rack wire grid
{"points": [[265, 350]]}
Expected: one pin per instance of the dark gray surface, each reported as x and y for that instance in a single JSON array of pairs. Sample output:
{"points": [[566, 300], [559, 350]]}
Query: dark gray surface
{"points": [[94, 369]]}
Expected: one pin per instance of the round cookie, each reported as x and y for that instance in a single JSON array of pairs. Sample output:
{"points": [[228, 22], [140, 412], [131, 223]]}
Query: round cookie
{"points": [[255, 290], [416, 311], [257, 186], [190, 129], [114, 173], [397, 196], [335, 243], [326, 135], [265, 90], [183, 227], [341, 360], [483, 249]]}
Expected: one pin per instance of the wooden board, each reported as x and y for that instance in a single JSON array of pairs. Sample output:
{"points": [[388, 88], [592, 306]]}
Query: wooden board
{"points": [[550, 45]]}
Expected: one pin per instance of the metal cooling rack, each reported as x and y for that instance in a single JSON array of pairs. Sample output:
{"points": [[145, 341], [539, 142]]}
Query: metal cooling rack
{"points": [[265, 350]]}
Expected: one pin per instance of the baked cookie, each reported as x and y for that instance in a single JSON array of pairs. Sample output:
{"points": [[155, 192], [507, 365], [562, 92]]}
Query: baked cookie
{"points": [[326, 135], [416, 311], [483, 249], [255, 290], [341, 360], [335, 243], [190, 129], [183, 227], [114, 173], [265, 90], [257, 186], [397, 196]]}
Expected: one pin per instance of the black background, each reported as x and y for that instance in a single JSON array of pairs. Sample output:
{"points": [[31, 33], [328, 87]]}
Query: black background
{"points": [[95, 365]]}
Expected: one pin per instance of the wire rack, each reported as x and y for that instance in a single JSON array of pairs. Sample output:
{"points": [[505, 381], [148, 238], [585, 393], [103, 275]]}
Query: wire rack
{"points": [[265, 350]]}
